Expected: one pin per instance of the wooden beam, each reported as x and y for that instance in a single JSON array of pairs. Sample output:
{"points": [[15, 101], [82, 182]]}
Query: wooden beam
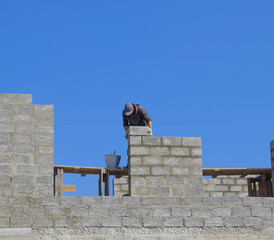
{"points": [[67, 188], [60, 182], [235, 171]]}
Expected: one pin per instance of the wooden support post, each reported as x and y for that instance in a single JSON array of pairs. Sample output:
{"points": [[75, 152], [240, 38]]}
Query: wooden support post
{"points": [[107, 183], [263, 185], [101, 182], [249, 184], [60, 173]]}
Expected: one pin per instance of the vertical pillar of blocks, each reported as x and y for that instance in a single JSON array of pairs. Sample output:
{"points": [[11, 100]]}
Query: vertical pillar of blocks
{"points": [[26, 147], [164, 166], [272, 163]]}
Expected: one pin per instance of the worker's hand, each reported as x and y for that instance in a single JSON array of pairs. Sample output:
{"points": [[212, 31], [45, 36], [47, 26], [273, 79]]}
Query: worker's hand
{"points": [[126, 135], [149, 131]]}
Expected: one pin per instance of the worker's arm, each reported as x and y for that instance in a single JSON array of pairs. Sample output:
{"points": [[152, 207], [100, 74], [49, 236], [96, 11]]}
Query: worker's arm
{"points": [[150, 126]]}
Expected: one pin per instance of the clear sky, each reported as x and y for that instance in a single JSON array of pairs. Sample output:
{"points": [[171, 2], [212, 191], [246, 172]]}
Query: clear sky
{"points": [[200, 68]]}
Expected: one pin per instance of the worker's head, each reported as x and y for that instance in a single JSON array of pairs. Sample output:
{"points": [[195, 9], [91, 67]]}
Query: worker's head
{"points": [[129, 109]]}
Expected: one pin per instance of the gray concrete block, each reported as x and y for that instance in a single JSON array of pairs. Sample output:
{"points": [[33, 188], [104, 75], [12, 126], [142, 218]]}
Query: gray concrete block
{"points": [[112, 222], [91, 222], [22, 118], [43, 108], [6, 128], [196, 152], [92, 201], [267, 201], [25, 128], [136, 161], [152, 201], [213, 201], [233, 202], [24, 148], [135, 140], [43, 139], [194, 202], [6, 148], [159, 151], [26, 169], [191, 141], [22, 179], [152, 161], [233, 221], [180, 212], [172, 141], [20, 158], [5, 211], [179, 171], [46, 119], [5, 118], [193, 222], [131, 222], [61, 223], [154, 181], [221, 212], [139, 151], [50, 201], [5, 179], [70, 201], [5, 222], [5, 169], [79, 211], [254, 222], [118, 211], [139, 170], [46, 129], [192, 162], [138, 181], [139, 212], [5, 137], [172, 161], [57, 212], [4, 158], [151, 141], [16, 138], [160, 191], [241, 211], [45, 150], [201, 212], [21, 98], [175, 180], [24, 109], [45, 159], [161, 212], [42, 222], [214, 222], [138, 131], [172, 201], [5, 97], [111, 201], [173, 222], [131, 201], [153, 222], [261, 212], [26, 190], [160, 171], [21, 222]]}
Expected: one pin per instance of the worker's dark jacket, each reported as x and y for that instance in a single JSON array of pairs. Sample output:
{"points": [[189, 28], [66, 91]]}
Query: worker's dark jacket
{"points": [[138, 118]]}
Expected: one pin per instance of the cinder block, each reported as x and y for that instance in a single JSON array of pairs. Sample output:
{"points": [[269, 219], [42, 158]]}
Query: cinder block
{"points": [[213, 201], [70, 201], [98, 211], [173, 222], [191, 141], [195, 202], [179, 151], [25, 128], [153, 222], [24, 148], [221, 212], [118, 211], [236, 188], [50, 201], [196, 152], [192, 162], [228, 181], [233, 222], [233, 202], [5, 137], [26, 190], [21, 98], [43, 108], [46, 159], [79, 211], [46, 119], [111, 201], [254, 222], [177, 171], [136, 161], [6, 148], [91, 222], [42, 222], [172, 201], [172, 141], [139, 212], [135, 140], [138, 181], [222, 188], [20, 158], [214, 222], [112, 222], [193, 222], [16, 138], [172, 161], [201, 212], [267, 201], [261, 212], [20, 222], [160, 191], [139, 151], [151, 141], [46, 129], [5, 169], [61, 223], [162, 212], [131, 201], [159, 151], [152, 201], [131, 222], [140, 170], [175, 180], [138, 131], [22, 118], [160, 171], [152, 161], [241, 181], [5, 97], [5, 222], [5, 118], [24, 109], [6, 128], [4, 158], [26, 169], [140, 191], [45, 150], [241, 212], [180, 212], [46, 179], [22, 179], [5, 180], [43, 139]]}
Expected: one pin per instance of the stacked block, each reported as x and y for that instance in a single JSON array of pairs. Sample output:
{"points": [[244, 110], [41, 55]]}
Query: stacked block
{"points": [[164, 166], [26, 147]]}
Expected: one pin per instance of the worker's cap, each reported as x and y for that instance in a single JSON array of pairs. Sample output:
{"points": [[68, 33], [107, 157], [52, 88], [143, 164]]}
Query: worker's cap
{"points": [[128, 109]]}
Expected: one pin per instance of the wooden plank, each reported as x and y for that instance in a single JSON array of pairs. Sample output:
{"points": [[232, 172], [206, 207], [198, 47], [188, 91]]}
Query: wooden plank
{"points": [[60, 182], [235, 171], [264, 185], [101, 182], [67, 188], [249, 184], [79, 170]]}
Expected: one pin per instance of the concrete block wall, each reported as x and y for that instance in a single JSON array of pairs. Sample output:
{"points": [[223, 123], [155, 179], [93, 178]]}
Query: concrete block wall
{"points": [[164, 166], [226, 186], [26, 147], [222, 186], [272, 160]]}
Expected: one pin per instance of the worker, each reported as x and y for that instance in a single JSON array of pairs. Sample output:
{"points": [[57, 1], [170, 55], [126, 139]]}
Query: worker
{"points": [[135, 115]]}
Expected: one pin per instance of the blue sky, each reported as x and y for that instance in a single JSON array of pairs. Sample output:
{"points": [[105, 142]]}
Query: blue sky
{"points": [[200, 68]]}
